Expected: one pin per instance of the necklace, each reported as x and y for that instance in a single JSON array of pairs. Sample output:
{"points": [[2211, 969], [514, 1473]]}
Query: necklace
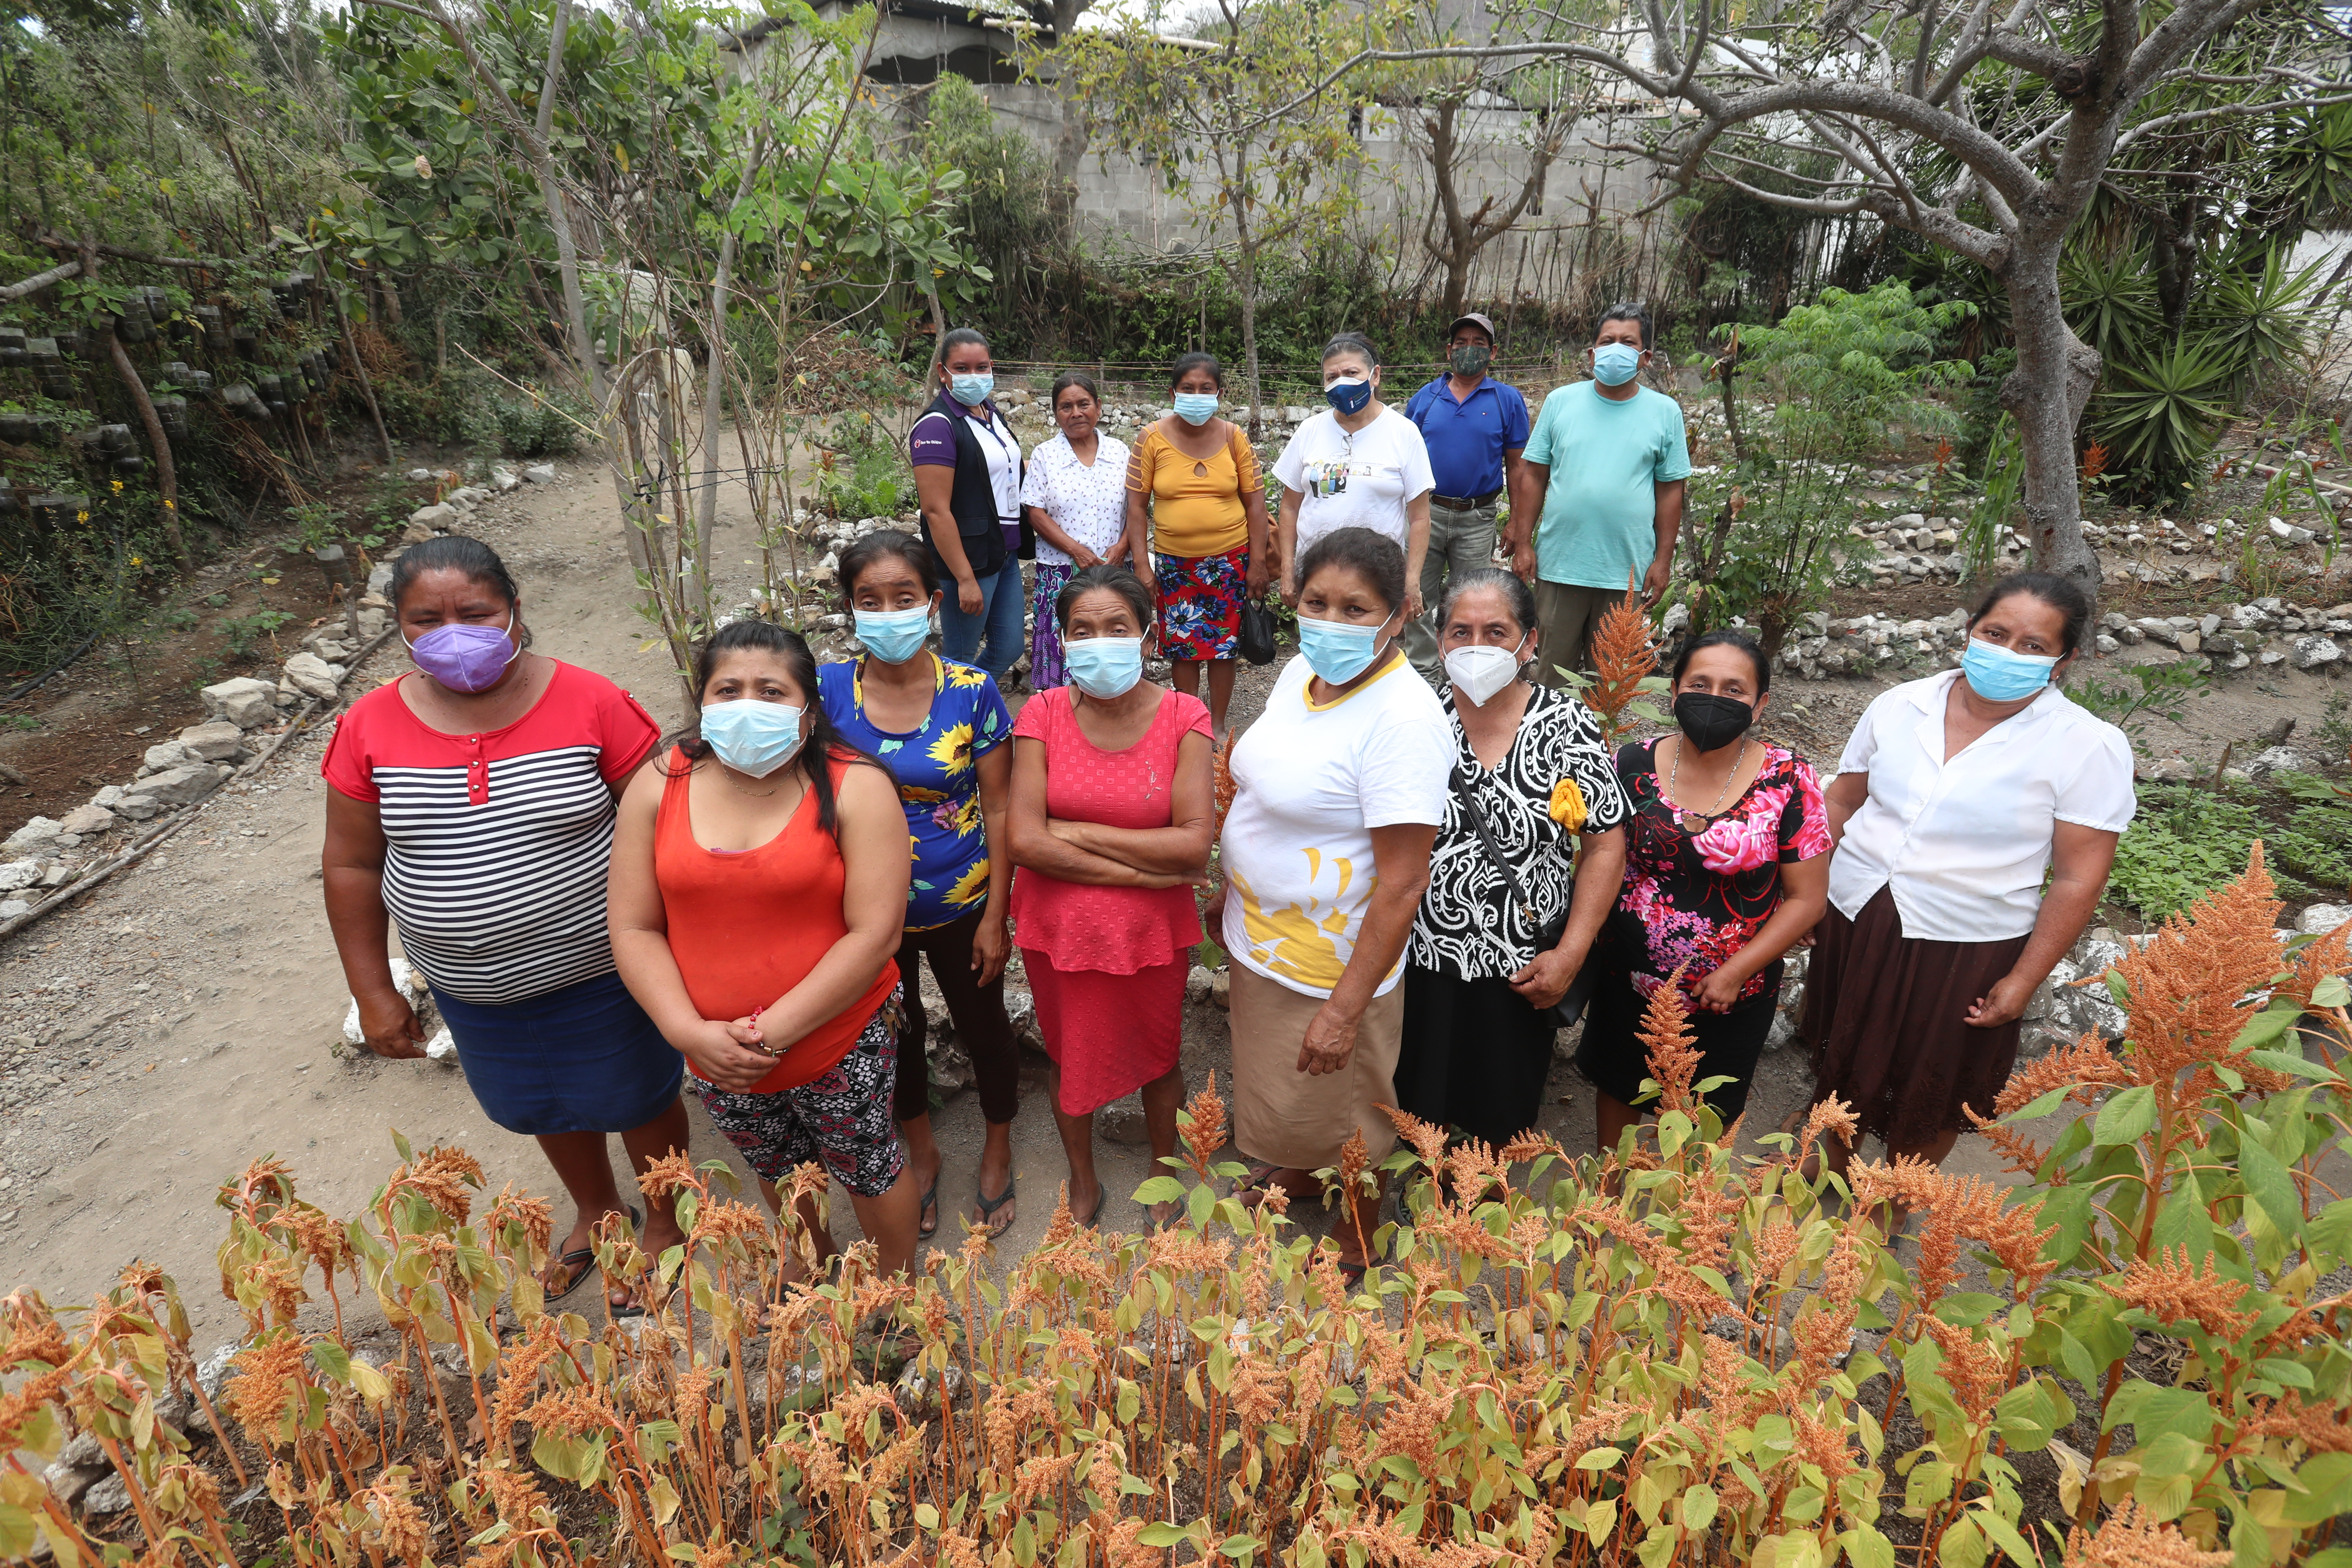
{"points": [[755, 794], [1694, 822]]}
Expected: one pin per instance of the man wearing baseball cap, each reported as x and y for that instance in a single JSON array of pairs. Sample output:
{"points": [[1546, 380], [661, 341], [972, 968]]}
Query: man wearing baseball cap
{"points": [[1475, 428]]}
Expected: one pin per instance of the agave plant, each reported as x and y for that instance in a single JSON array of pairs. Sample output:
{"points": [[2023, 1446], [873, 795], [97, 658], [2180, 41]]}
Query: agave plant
{"points": [[2159, 416], [2110, 299]]}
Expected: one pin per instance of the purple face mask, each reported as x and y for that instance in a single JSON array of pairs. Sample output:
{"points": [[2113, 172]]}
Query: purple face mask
{"points": [[465, 658]]}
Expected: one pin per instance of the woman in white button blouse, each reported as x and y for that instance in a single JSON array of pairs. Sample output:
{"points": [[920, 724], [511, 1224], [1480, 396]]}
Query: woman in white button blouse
{"points": [[1954, 798]]}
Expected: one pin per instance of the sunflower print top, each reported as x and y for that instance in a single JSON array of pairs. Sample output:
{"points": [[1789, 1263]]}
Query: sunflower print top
{"points": [[938, 770]]}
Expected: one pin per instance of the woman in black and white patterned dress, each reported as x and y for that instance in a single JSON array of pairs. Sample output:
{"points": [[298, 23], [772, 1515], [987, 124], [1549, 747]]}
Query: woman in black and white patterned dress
{"points": [[1477, 1032]]}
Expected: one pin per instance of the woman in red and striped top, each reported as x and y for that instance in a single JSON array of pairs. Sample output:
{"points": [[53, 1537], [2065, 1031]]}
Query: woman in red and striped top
{"points": [[473, 802]]}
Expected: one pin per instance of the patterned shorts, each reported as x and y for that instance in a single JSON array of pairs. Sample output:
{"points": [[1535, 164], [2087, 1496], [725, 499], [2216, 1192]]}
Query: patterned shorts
{"points": [[842, 1116], [1201, 603]]}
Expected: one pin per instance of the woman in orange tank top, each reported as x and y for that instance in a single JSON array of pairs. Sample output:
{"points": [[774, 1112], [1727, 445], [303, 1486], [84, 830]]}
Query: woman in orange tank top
{"points": [[755, 903]]}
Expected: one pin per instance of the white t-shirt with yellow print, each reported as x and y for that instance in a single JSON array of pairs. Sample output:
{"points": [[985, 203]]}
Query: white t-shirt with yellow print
{"points": [[1311, 783]]}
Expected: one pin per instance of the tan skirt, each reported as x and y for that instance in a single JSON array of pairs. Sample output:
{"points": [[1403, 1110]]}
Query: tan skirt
{"points": [[1285, 1117]]}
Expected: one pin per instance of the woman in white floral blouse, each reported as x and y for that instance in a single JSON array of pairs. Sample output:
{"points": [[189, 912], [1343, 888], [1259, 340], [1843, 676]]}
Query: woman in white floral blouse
{"points": [[1075, 495], [1480, 979]]}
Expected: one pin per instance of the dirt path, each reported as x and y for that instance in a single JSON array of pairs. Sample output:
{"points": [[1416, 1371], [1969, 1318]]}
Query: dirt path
{"points": [[185, 1017]]}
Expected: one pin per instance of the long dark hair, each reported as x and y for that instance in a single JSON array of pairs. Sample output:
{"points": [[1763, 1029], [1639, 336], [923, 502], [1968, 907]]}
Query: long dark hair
{"points": [[886, 544], [823, 739], [1731, 637]]}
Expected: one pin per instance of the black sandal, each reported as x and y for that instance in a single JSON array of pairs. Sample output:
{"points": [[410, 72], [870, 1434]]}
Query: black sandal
{"points": [[932, 1203], [988, 1206]]}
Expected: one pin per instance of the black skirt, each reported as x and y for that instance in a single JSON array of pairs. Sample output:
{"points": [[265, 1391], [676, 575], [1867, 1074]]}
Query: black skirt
{"points": [[1886, 1016], [1611, 1056], [1475, 1055]]}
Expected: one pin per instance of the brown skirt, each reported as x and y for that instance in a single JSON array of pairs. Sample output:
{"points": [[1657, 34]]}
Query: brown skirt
{"points": [[1886, 1016], [1285, 1117]]}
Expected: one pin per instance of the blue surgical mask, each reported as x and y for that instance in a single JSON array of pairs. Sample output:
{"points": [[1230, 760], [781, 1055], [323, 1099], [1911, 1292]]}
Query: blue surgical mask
{"points": [[1337, 651], [1614, 364], [1196, 407], [1104, 668], [894, 636], [751, 736], [1348, 395], [972, 391], [1998, 675]]}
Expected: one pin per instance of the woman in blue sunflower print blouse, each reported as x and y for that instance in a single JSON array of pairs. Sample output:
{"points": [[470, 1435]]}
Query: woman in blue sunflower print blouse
{"points": [[942, 730]]}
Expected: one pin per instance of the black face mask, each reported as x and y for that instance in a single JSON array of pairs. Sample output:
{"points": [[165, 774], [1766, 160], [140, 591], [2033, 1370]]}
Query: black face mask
{"points": [[1711, 722]]}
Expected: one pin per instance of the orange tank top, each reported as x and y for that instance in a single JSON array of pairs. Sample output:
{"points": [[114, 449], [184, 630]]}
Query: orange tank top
{"points": [[746, 928]]}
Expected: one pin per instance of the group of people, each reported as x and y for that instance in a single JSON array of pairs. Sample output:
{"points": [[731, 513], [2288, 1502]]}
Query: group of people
{"points": [[1417, 880]]}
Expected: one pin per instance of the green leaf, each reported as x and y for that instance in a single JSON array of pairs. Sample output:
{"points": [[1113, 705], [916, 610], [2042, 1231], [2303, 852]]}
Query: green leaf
{"points": [[332, 1358], [2127, 1118], [2333, 991], [2268, 1181], [1966, 1308], [2326, 1480], [2039, 1109], [2281, 1061], [1162, 1534], [1160, 1190], [2266, 1025]]}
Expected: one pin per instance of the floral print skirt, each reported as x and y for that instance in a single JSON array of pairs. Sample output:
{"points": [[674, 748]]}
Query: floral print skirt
{"points": [[1045, 667], [1201, 603]]}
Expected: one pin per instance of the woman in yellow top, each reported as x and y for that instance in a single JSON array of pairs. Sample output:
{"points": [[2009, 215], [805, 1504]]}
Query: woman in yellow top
{"points": [[1194, 495]]}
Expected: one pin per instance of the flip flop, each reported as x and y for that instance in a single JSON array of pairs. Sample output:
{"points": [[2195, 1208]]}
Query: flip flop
{"points": [[581, 1262], [1253, 1187], [1102, 1192], [632, 1310], [930, 1202], [988, 1206]]}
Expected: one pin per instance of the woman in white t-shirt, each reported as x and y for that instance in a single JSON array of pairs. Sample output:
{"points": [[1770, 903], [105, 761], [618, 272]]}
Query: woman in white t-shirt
{"points": [[1339, 788], [1956, 798], [1075, 495], [1359, 464]]}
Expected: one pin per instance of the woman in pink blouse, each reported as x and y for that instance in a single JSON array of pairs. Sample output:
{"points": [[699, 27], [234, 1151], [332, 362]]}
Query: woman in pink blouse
{"points": [[1111, 823]]}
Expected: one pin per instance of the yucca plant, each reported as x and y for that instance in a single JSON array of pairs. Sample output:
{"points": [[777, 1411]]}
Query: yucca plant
{"points": [[2159, 418]]}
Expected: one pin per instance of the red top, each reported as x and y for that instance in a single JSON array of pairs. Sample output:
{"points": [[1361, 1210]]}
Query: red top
{"points": [[746, 928], [496, 845], [1118, 931]]}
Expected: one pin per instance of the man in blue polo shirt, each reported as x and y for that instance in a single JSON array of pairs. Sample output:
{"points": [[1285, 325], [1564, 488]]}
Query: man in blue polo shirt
{"points": [[1475, 428]]}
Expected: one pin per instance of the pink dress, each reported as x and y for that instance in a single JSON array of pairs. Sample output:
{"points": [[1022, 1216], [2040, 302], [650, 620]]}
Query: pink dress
{"points": [[1106, 964]]}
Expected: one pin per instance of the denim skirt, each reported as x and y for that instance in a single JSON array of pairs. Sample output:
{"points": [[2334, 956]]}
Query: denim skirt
{"points": [[582, 1060]]}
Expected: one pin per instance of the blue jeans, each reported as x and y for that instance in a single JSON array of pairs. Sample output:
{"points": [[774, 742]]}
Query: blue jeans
{"points": [[999, 622]]}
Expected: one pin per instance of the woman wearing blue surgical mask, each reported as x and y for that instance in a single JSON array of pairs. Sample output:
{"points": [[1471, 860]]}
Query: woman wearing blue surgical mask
{"points": [[1112, 818], [1339, 789], [1958, 797], [1356, 464], [1196, 513], [1075, 497], [942, 728], [757, 887], [968, 474]]}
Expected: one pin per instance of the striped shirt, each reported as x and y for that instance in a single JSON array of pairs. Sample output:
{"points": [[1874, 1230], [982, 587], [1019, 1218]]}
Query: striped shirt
{"points": [[496, 845]]}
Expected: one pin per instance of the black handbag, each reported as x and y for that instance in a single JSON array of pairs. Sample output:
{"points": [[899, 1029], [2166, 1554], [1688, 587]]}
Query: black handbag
{"points": [[1569, 1009], [1255, 643]]}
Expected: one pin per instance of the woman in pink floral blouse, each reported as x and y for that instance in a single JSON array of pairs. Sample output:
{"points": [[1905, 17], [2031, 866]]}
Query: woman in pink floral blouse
{"points": [[1727, 865]]}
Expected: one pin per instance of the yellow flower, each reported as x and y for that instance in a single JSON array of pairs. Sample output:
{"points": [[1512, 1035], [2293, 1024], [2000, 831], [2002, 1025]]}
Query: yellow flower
{"points": [[1567, 806], [971, 887], [137, 561], [118, 486], [953, 750], [964, 675]]}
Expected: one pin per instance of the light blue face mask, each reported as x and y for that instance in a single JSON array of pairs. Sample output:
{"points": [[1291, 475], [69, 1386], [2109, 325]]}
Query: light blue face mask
{"points": [[1196, 407], [1104, 668], [894, 636], [1336, 651], [972, 391], [751, 736], [1998, 675], [1614, 364]]}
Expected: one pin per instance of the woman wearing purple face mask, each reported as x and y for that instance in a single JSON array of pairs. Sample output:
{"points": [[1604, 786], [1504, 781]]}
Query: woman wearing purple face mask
{"points": [[473, 802]]}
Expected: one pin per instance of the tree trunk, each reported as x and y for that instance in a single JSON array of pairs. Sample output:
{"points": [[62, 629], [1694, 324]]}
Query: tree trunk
{"points": [[1070, 138], [2048, 391], [167, 476], [1246, 270], [714, 385], [559, 214], [360, 369]]}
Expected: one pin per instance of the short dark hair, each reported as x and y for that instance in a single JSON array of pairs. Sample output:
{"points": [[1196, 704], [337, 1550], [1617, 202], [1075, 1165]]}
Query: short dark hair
{"points": [[825, 742], [886, 544], [1632, 310], [1102, 574], [1727, 637], [1515, 591], [451, 552], [1186, 364], [1068, 379], [2063, 595], [1373, 556], [1350, 342]]}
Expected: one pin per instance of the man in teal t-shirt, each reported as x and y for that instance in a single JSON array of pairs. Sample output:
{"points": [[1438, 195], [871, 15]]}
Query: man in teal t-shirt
{"points": [[1617, 504]]}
